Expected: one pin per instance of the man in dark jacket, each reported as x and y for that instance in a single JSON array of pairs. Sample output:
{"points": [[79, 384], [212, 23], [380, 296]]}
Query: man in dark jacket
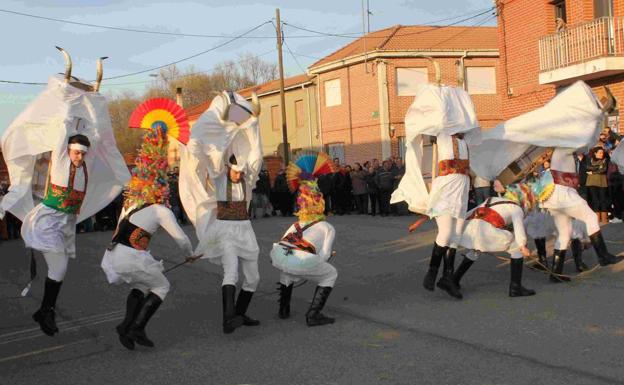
{"points": [[384, 179]]}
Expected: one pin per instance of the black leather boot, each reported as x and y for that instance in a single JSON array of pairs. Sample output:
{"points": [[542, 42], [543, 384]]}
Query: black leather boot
{"points": [[604, 257], [577, 253], [446, 283], [46, 314], [540, 244], [230, 320], [434, 264], [242, 303], [515, 286], [136, 331], [557, 266], [461, 270], [314, 317], [133, 302], [284, 300]]}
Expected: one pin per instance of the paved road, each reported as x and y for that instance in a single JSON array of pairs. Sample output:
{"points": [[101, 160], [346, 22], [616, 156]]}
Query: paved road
{"points": [[388, 331]]}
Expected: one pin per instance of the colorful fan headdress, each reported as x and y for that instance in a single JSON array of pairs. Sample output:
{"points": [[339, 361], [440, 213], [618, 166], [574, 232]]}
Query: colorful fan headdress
{"points": [[522, 194], [163, 113], [149, 184], [302, 175]]}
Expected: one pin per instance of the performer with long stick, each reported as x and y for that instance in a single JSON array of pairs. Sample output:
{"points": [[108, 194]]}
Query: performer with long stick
{"points": [[70, 119], [448, 114], [306, 246], [570, 122], [488, 230], [225, 146], [127, 259]]}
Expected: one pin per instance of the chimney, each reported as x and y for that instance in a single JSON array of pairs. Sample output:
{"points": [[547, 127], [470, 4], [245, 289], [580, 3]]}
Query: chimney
{"points": [[179, 97]]}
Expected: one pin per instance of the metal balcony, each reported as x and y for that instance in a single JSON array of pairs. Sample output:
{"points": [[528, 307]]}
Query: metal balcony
{"points": [[586, 51]]}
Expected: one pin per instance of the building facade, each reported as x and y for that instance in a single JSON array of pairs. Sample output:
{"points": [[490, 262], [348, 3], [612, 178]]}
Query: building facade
{"points": [[546, 45], [366, 87]]}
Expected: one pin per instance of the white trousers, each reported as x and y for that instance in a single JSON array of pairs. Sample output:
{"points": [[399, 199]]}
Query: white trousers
{"points": [[323, 274], [449, 230], [563, 222], [57, 265], [154, 282], [251, 276]]}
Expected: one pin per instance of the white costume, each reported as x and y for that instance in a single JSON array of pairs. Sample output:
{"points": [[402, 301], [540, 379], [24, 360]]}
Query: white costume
{"points": [[58, 113], [569, 122], [219, 208], [137, 266], [482, 236], [296, 264]]}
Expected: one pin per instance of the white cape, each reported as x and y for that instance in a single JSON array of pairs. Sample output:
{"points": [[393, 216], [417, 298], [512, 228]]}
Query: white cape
{"points": [[205, 155], [570, 120], [435, 110], [54, 113]]}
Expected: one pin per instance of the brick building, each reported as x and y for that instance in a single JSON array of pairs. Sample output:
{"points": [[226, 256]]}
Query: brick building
{"points": [[366, 87], [545, 45]]}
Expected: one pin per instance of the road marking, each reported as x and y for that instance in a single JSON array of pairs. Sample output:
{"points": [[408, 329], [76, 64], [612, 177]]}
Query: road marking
{"points": [[46, 350]]}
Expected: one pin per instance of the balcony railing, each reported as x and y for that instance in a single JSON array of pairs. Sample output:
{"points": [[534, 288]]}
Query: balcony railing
{"points": [[594, 39]]}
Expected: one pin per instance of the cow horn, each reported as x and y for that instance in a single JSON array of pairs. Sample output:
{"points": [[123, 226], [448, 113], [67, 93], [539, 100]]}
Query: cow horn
{"points": [[68, 64], [610, 103], [255, 105], [100, 73], [226, 107]]}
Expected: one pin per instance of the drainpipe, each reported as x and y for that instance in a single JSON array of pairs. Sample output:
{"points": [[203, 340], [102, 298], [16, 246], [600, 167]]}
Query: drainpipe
{"points": [[307, 92], [319, 126]]}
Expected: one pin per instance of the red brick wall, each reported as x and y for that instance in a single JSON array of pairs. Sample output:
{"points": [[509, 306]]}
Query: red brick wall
{"points": [[520, 25]]}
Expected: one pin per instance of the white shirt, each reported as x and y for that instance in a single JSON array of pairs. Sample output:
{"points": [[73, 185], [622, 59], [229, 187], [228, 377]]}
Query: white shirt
{"points": [[512, 214]]}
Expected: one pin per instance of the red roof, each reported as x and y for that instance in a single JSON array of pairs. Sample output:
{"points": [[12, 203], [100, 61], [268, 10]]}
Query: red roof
{"points": [[418, 38]]}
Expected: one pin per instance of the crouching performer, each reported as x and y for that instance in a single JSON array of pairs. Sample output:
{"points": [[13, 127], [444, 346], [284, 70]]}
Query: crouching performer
{"points": [[488, 230], [127, 259], [304, 250]]}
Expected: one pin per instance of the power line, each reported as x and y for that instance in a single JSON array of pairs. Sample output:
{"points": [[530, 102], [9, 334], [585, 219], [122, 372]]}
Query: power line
{"points": [[291, 52], [480, 12], [195, 73], [135, 30], [192, 56]]}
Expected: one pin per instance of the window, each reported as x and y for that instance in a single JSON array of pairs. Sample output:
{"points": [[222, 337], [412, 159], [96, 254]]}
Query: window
{"points": [[401, 144], [335, 150], [409, 79], [603, 8], [481, 80], [275, 118], [299, 113], [332, 93], [560, 9]]}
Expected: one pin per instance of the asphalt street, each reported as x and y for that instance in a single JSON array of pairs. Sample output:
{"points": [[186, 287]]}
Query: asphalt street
{"points": [[388, 329]]}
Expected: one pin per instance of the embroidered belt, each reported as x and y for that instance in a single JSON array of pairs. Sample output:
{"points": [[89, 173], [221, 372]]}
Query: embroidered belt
{"points": [[569, 179], [454, 166], [490, 216], [232, 211]]}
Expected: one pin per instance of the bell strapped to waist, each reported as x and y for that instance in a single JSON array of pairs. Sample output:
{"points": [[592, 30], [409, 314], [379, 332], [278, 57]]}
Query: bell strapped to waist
{"points": [[296, 241], [486, 213], [66, 199], [131, 235], [569, 179], [455, 165], [229, 210]]}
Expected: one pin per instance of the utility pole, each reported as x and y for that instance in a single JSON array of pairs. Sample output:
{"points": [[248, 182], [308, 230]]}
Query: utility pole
{"points": [[278, 27]]}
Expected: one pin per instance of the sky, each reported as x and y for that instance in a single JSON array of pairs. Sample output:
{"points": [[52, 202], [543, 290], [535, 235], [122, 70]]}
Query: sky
{"points": [[28, 53]]}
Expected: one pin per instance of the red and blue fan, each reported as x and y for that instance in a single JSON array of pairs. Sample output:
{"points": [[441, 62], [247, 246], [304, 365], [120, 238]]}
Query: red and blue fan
{"points": [[308, 166]]}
